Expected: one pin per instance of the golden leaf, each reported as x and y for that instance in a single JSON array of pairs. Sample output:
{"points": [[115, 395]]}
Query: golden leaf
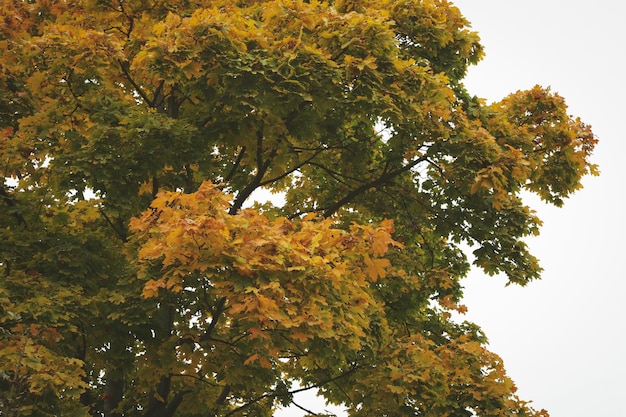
{"points": [[376, 267]]}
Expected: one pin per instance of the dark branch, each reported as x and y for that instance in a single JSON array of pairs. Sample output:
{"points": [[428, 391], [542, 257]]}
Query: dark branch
{"points": [[223, 395], [292, 170], [339, 177], [274, 394], [236, 165], [126, 70], [174, 404], [216, 312], [309, 412], [11, 203], [383, 179], [198, 378], [117, 231], [159, 97], [161, 407], [262, 166], [155, 186]]}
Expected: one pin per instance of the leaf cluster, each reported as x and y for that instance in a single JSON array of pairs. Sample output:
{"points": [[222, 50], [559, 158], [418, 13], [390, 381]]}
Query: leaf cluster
{"points": [[134, 134]]}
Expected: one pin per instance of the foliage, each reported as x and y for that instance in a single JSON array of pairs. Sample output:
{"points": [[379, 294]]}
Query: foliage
{"points": [[132, 135]]}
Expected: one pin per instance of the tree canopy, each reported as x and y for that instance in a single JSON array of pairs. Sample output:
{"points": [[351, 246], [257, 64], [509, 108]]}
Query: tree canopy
{"points": [[138, 278]]}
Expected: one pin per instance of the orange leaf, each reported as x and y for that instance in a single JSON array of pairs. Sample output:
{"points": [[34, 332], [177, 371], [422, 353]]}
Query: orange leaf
{"points": [[301, 337], [263, 361], [255, 333], [251, 359], [151, 288]]}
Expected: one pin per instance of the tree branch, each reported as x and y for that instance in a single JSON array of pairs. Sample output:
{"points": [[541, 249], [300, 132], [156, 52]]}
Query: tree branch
{"points": [[236, 165], [198, 378], [11, 203], [291, 171], [262, 166], [161, 407], [337, 176], [120, 233], [385, 178], [223, 395], [274, 394], [126, 71], [309, 412], [173, 405], [216, 312]]}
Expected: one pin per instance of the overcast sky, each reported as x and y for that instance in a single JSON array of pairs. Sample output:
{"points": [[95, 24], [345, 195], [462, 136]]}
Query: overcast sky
{"points": [[562, 338]]}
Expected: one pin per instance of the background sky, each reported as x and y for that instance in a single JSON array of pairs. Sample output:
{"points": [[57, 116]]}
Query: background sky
{"points": [[563, 339]]}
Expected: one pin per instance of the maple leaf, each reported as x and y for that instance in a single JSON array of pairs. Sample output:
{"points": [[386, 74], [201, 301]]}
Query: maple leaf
{"points": [[151, 288], [376, 267]]}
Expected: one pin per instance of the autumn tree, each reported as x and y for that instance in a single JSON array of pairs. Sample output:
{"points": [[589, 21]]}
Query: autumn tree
{"points": [[137, 277]]}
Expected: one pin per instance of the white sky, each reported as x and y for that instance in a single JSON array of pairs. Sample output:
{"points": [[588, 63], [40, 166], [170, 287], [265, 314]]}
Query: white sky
{"points": [[562, 338]]}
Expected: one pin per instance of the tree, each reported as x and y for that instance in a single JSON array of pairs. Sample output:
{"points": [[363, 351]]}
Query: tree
{"points": [[139, 280]]}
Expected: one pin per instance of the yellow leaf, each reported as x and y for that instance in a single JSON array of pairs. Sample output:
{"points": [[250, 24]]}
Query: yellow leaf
{"points": [[309, 217], [376, 267], [381, 243], [395, 389], [174, 237], [397, 374]]}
